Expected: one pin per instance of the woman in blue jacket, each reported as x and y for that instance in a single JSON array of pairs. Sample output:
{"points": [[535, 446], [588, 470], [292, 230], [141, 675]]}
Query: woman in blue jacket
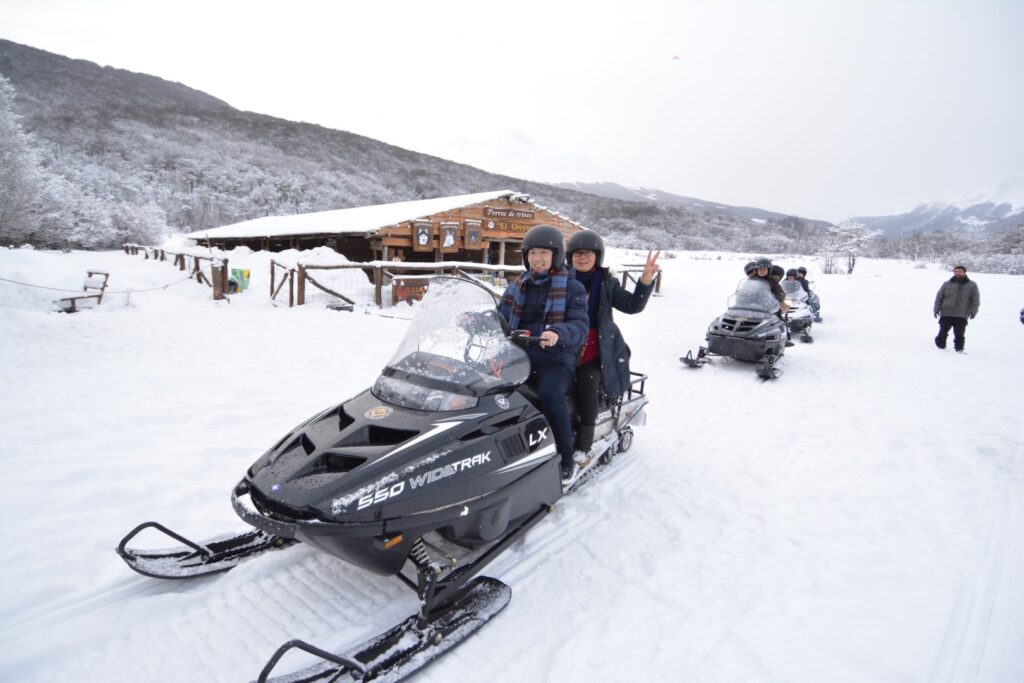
{"points": [[552, 306], [604, 360]]}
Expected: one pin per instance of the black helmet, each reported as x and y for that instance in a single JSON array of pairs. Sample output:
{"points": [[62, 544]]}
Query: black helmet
{"points": [[777, 272], [545, 237], [763, 263], [791, 271], [585, 239], [750, 267], [802, 270]]}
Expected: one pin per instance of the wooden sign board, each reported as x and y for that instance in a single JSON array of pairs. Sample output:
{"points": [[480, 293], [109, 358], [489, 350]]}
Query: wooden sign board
{"points": [[422, 236], [474, 235], [449, 237]]}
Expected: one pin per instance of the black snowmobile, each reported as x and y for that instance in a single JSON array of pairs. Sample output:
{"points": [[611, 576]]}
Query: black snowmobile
{"points": [[749, 330], [428, 475], [799, 316]]}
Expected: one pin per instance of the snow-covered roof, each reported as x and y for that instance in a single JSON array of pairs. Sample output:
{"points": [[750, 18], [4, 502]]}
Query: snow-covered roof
{"points": [[359, 219]]}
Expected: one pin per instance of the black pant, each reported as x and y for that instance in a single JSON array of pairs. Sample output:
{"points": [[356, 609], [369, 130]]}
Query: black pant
{"points": [[588, 391], [552, 383], [959, 325], [588, 402]]}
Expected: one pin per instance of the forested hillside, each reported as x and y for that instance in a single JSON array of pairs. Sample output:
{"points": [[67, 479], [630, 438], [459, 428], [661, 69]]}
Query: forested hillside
{"points": [[108, 155]]}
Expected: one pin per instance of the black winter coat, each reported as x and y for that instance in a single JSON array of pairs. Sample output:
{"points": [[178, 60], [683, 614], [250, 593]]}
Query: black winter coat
{"points": [[614, 352]]}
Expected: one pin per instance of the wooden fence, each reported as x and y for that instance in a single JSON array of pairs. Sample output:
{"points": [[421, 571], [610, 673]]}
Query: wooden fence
{"points": [[407, 281], [634, 271], [208, 270]]}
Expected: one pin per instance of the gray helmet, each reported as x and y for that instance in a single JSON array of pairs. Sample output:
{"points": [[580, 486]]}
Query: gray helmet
{"points": [[802, 270], [763, 262], [585, 239], [791, 271], [750, 267], [545, 237]]}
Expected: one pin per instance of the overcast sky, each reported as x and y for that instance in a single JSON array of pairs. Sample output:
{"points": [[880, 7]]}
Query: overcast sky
{"points": [[827, 109]]}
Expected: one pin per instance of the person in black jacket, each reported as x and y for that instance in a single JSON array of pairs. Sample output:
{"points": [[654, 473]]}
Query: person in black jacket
{"points": [[604, 360], [762, 271], [553, 307], [957, 301], [801, 275]]}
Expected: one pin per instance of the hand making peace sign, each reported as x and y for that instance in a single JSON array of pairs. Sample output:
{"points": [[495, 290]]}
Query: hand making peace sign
{"points": [[651, 268]]}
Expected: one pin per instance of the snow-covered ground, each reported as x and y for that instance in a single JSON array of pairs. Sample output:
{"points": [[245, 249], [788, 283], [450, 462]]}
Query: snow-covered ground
{"points": [[859, 519]]}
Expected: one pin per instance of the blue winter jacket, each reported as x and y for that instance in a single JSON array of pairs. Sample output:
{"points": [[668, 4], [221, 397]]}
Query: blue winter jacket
{"points": [[572, 332]]}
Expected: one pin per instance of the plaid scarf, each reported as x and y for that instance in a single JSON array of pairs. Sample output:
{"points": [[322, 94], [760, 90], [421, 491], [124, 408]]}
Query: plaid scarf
{"points": [[514, 300]]}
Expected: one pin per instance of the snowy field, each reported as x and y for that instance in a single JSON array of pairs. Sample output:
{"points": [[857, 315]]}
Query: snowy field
{"points": [[860, 519]]}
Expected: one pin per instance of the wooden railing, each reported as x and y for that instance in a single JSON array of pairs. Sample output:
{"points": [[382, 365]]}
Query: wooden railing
{"points": [[217, 279]]}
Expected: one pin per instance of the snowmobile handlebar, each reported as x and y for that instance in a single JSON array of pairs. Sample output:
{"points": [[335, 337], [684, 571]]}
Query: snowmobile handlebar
{"points": [[523, 338]]}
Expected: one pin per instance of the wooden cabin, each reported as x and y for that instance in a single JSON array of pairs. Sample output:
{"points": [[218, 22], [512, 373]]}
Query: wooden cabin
{"points": [[486, 227]]}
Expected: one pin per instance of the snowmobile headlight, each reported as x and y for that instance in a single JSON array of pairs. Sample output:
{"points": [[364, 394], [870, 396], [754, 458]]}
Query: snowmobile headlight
{"points": [[446, 400], [409, 394]]}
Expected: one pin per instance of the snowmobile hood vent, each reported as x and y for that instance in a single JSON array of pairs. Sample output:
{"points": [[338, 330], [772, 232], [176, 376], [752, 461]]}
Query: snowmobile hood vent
{"points": [[336, 461], [377, 435]]}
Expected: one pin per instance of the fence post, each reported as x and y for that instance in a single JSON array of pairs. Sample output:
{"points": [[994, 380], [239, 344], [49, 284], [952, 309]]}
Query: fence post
{"points": [[300, 297], [291, 288], [273, 270], [218, 272], [378, 284]]}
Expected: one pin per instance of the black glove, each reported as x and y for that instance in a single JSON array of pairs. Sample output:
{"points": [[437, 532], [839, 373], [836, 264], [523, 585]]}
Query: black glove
{"points": [[972, 315], [936, 314]]}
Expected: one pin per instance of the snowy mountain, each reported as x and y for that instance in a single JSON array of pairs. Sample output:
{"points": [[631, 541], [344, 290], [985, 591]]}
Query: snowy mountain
{"points": [[638, 193], [975, 213], [858, 520], [120, 142], [514, 153]]}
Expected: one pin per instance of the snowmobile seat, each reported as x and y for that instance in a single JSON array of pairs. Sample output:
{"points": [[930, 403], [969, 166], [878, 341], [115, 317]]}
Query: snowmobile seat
{"points": [[530, 394]]}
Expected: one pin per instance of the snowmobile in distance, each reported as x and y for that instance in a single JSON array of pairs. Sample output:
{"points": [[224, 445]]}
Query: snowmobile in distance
{"points": [[429, 475], [799, 316], [814, 302], [749, 330]]}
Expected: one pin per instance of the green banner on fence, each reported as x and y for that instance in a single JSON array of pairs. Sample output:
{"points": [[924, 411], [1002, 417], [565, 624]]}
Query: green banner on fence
{"points": [[241, 278]]}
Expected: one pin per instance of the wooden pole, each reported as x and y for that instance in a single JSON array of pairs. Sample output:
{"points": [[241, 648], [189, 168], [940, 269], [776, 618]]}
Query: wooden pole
{"points": [[378, 285], [300, 295], [218, 272]]}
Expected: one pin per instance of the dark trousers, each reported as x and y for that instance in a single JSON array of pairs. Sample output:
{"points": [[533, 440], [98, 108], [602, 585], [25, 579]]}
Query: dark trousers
{"points": [[959, 326], [552, 383], [588, 402]]}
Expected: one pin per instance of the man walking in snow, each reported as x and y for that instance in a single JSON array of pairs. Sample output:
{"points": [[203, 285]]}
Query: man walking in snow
{"points": [[957, 301]]}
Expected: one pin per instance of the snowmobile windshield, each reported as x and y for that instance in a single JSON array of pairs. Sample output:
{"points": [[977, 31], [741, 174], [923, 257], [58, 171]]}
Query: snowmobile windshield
{"points": [[755, 295], [455, 351], [794, 290]]}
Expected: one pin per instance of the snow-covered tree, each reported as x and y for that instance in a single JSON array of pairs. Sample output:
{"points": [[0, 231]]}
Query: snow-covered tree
{"points": [[843, 243], [22, 182]]}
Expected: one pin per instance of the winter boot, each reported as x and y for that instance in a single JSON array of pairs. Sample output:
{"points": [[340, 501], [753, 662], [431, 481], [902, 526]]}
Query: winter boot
{"points": [[585, 438]]}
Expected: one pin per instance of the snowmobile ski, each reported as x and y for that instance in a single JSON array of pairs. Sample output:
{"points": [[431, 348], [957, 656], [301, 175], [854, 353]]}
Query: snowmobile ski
{"points": [[702, 358], [408, 647], [766, 369], [192, 559]]}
